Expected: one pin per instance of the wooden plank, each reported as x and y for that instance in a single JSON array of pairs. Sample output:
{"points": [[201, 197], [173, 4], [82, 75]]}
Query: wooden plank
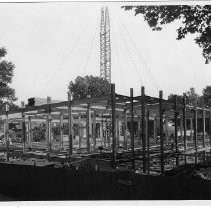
{"points": [[176, 127], [123, 96], [117, 132], [191, 129], [210, 127], [155, 129], [75, 103], [6, 130], [162, 166], [194, 107], [94, 130], [195, 133], [194, 151], [203, 127], [102, 126], [29, 131], [88, 122], [70, 125], [80, 131], [61, 130], [184, 124], [143, 126], [60, 104], [48, 126], [148, 143], [139, 131], [23, 128], [125, 128], [155, 106], [113, 122], [132, 128]]}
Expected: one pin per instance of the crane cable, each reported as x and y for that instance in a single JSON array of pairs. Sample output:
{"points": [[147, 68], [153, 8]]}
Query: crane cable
{"points": [[90, 50], [147, 69], [118, 56], [130, 55], [64, 58]]}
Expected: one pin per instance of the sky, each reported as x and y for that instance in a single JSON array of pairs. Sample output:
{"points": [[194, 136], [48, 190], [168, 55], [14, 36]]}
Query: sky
{"points": [[53, 43]]}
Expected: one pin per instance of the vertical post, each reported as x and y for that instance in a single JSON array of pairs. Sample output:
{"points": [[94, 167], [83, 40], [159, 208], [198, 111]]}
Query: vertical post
{"points": [[148, 144], [29, 130], [103, 134], [94, 130], [181, 128], [143, 132], [184, 124], [6, 132], [161, 131], [139, 131], [166, 130], [176, 127], [131, 128], [23, 127], [113, 119], [210, 128], [203, 125], [203, 135], [155, 129], [50, 133], [117, 133], [47, 133], [125, 128], [48, 129], [88, 128], [191, 129], [61, 130], [195, 133], [70, 124], [79, 130]]}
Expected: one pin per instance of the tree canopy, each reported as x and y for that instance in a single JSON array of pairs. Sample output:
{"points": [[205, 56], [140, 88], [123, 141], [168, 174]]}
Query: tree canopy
{"points": [[7, 94], [207, 95], [195, 19], [88, 86], [193, 98]]}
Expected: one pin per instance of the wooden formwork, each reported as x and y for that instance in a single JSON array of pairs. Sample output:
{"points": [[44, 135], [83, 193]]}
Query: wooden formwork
{"points": [[117, 108]]}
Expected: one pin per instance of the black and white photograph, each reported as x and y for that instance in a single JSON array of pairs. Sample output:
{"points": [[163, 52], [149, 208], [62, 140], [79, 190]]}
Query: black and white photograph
{"points": [[105, 101]]}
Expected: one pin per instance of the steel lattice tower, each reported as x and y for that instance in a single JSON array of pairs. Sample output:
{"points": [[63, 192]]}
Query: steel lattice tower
{"points": [[105, 45]]}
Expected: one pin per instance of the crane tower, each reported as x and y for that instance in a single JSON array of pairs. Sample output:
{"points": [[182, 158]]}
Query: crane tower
{"points": [[105, 45]]}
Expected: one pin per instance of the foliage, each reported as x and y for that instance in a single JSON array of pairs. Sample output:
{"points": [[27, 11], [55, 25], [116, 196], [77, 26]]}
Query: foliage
{"points": [[207, 95], [192, 98], [171, 98], [7, 94], [195, 19], [88, 86]]}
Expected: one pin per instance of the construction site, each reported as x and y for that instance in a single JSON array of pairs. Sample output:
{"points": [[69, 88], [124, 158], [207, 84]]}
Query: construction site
{"points": [[111, 147]]}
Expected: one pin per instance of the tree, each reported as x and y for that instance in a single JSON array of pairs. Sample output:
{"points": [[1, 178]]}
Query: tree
{"points": [[195, 19], [171, 98], [7, 94], [88, 86], [207, 95], [192, 98]]}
